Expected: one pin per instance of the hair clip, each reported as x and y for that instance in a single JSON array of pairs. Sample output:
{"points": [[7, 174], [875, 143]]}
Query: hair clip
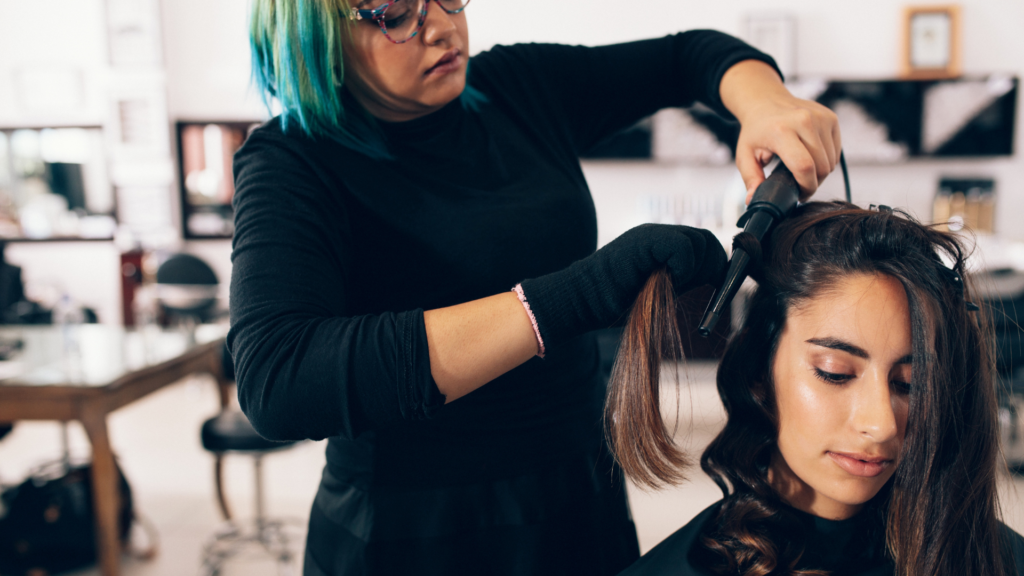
{"points": [[959, 282], [880, 208]]}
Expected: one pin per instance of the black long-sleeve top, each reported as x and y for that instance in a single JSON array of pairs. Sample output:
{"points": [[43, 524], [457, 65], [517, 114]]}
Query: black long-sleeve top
{"points": [[335, 256], [851, 547]]}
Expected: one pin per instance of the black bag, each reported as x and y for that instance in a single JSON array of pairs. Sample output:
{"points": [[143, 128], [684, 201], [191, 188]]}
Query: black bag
{"points": [[47, 524]]}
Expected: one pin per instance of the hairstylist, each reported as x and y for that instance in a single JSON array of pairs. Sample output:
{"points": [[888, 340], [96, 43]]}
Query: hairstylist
{"points": [[383, 219]]}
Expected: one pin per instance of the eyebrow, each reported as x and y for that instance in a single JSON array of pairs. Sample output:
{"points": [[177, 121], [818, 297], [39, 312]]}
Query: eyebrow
{"points": [[843, 346]]}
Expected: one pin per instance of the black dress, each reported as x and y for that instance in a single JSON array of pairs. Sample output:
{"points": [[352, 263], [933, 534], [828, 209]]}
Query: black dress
{"points": [[337, 255], [852, 547]]}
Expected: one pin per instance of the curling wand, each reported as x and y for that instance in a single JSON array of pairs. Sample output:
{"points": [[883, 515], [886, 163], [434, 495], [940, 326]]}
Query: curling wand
{"points": [[772, 202]]}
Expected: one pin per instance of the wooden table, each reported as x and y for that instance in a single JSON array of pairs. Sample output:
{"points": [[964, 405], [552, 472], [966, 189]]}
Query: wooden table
{"points": [[84, 373]]}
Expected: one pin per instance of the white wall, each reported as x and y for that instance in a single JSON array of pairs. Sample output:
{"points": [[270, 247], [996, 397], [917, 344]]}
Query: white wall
{"points": [[844, 39], [206, 44], [46, 82]]}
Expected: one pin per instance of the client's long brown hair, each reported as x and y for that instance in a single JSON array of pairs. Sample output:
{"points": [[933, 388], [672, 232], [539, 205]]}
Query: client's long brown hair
{"points": [[940, 509]]}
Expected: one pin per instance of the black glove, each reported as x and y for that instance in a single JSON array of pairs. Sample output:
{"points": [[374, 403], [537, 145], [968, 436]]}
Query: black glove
{"points": [[599, 290]]}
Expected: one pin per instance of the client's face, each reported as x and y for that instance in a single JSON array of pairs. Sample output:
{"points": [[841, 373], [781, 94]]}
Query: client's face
{"points": [[841, 374]]}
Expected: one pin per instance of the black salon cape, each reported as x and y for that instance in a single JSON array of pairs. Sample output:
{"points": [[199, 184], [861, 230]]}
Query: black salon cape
{"points": [[852, 547], [337, 255]]}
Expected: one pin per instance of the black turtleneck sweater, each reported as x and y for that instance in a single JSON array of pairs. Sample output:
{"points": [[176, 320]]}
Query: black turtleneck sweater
{"points": [[851, 547], [336, 255]]}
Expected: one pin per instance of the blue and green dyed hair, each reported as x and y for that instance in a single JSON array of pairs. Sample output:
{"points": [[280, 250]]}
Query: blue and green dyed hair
{"points": [[297, 60]]}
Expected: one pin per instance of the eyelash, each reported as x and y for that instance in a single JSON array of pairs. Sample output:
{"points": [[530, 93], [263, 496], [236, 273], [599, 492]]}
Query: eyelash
{"points": [[840, 379], [831, 378]]}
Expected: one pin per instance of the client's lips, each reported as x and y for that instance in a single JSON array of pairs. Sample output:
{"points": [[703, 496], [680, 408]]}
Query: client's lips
{"points": [[450, 61], [862, 465]]}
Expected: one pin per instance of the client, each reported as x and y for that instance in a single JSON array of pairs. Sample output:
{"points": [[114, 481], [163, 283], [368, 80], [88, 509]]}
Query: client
{"points": [[862, 421]]}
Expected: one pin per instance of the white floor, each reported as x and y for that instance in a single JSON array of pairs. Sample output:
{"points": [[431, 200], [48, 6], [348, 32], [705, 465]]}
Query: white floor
{"points": [[157, 440]]}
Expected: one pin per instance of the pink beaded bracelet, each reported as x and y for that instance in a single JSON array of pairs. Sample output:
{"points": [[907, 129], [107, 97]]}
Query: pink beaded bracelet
{"points": [[533, 320]]}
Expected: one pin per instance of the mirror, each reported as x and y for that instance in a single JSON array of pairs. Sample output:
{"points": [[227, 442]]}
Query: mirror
{"points": [[206, 153], [54, 184]]}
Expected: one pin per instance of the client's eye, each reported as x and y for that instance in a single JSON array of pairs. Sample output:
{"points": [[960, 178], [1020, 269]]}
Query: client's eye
{"points": [[831, 377], [901, 387]]}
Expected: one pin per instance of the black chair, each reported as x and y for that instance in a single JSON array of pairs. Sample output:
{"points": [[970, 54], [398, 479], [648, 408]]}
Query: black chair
{"points": [[186, 288], [231, 432]]}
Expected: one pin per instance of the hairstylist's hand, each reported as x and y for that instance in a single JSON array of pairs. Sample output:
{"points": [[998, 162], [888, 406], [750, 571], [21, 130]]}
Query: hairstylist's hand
{"points": [[598, 290], [804, 134]]}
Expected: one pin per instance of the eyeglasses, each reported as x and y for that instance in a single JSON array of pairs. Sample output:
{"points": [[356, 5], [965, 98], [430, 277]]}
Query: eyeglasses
{"points": [[401, 20]]}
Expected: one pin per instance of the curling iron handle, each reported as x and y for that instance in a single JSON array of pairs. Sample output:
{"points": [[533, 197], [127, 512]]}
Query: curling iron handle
{"points": [[777, 195], [772, 201]]}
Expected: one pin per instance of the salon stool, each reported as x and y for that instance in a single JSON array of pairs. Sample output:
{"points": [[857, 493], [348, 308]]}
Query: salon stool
{"points": [[230, 431]]}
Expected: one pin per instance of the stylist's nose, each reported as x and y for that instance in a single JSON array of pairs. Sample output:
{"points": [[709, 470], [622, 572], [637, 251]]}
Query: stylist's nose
{"points": [[438, 27], [874, 415]]}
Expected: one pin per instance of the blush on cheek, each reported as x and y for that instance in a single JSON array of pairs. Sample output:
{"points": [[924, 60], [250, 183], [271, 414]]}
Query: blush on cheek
{"points": [[808, 407]]}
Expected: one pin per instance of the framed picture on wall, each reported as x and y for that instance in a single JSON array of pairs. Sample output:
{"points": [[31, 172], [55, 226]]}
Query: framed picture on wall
{"points": [[206, 150], [931, 46]]}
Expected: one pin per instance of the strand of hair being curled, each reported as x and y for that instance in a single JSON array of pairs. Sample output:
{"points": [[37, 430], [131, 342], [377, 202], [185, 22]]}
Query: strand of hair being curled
{"points": [[634, 426]]}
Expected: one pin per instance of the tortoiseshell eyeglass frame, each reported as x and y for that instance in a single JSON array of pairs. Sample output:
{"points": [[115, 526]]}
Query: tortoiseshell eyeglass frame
{"points": [[377, 15]]}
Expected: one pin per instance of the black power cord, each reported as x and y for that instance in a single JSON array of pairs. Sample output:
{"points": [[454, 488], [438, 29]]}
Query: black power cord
{"points": [[846, 176]]}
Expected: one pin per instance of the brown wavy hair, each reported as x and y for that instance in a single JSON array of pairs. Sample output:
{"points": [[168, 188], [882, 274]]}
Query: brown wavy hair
{"points": [[641, 442], [940, 509]]}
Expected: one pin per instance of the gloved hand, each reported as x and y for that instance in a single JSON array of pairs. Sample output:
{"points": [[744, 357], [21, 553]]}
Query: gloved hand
{"points": [[599, 290]]}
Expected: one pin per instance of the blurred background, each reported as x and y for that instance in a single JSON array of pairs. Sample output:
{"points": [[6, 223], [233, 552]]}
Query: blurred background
{"points": [[119, 119]]}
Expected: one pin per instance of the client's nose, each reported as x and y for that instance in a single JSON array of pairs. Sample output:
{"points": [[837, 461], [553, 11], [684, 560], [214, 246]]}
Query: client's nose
{"points": [[873, 414]]}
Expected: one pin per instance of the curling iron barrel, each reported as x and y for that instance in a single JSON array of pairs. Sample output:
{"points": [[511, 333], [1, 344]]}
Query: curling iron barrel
{"points": [[773, 200]]}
